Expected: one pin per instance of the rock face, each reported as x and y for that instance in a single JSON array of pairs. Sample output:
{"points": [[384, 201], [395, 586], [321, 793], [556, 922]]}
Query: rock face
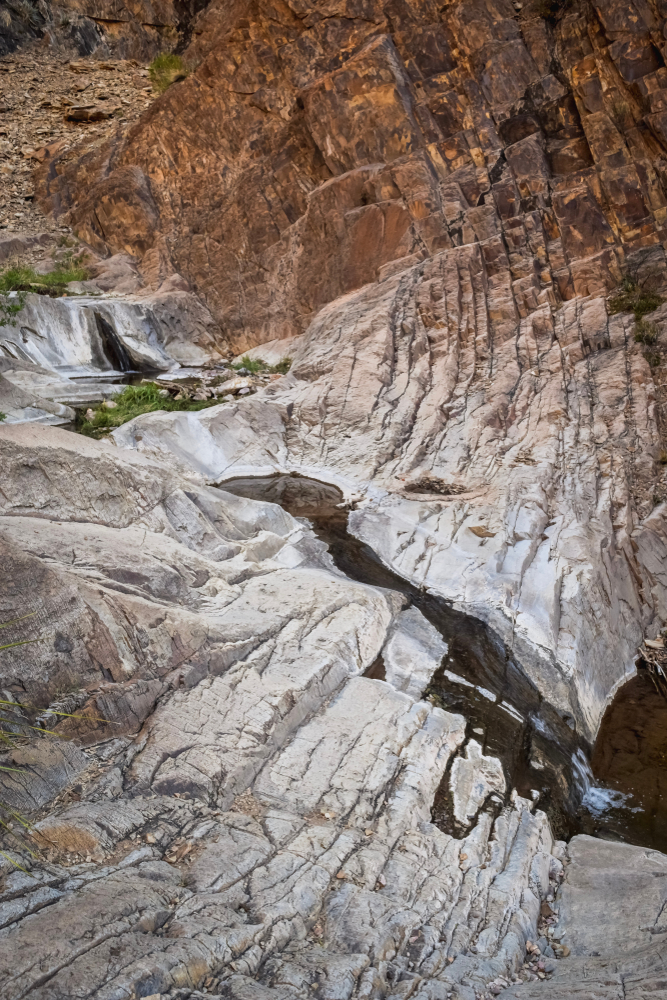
{"points": [[541, 520], [321, 146], [426, 206], [129, 30], [610, 917], [440, 197], [97, 335], [241, 803]]}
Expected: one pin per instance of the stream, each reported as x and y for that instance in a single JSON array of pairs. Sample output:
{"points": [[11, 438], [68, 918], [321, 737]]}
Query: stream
{"points": [[612, 790]]}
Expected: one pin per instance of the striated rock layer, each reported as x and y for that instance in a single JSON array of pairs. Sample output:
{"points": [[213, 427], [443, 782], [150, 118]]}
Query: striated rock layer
{"points": [[428, 203], [538, 515], [437, 197], [318, 144]]}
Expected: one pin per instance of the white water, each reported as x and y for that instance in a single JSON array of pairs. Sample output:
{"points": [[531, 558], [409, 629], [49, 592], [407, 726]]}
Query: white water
{"points": [[595, 798]]}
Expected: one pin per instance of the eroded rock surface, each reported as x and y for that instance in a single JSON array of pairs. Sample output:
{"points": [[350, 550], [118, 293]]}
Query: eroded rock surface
{"points": [[542, 520], [426, 205], [611, 919], [100, 334], [241, 804]]}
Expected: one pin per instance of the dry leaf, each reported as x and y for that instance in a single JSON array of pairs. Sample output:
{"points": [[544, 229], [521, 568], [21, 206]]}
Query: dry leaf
{"points": [[482, 532]]}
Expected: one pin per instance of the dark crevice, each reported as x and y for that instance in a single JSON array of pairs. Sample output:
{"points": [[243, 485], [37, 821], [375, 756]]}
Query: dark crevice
{"points": [[377, 670], [114, 349]]}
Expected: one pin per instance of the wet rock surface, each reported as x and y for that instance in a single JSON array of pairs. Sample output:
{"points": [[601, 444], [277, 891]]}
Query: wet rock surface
{"points": [[630, 756], [546, 468]]}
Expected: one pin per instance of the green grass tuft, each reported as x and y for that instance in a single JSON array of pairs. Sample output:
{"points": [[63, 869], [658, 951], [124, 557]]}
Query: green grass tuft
{"points": [[24, 279], [646, 332], [165, 70], [255, 365], [132, 402], [631, 297], [3, 416]]}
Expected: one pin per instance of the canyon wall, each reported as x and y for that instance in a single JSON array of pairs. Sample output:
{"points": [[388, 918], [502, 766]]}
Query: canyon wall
{"points": [[428, 204], [318, 146]]}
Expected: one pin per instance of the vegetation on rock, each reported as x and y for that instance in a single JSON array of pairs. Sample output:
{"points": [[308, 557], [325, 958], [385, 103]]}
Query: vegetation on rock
{"points": [[165, 70], [646, 332], [132, 402], [256, 365], [25, 279], [633, 297], [21, 279]]}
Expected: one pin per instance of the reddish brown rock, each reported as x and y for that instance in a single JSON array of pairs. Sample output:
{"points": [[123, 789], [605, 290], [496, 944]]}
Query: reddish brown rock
{"points": [[318, 145]]}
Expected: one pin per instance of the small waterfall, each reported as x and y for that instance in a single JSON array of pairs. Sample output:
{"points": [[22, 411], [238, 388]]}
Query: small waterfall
{"points": [[596, 799]]}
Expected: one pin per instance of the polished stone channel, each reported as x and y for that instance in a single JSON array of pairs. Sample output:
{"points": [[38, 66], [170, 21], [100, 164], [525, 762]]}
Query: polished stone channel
{"points": [[542, 756]]}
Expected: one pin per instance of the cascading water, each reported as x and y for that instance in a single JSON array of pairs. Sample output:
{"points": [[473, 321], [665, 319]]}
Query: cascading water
{"points": [[595, 798]]}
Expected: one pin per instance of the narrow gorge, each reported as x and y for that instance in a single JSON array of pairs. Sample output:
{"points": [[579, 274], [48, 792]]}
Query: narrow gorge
{"points": [[333, 499]]}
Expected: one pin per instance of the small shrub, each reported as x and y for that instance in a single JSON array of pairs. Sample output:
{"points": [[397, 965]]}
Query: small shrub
{"points": [[132, 402], [256, 365], [631, 297], [653, 358], [25, 10], [646, 332], [3, 416], [165, 70], [620, 112]]}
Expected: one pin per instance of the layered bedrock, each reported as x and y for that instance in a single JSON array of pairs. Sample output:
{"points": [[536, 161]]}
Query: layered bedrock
{"points": [[318, 146]]}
